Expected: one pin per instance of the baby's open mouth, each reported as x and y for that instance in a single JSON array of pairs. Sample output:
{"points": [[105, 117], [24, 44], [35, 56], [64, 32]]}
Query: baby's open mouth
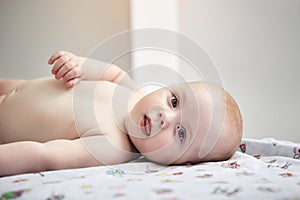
{"points": [[145, 125]]}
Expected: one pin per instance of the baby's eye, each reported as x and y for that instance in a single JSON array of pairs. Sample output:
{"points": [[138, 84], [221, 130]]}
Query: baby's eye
{"points": [[181, 133], [174, 101]]}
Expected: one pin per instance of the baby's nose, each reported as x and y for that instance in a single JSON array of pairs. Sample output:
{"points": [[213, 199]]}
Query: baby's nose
{"points": [[165, 119], [161, 116]]}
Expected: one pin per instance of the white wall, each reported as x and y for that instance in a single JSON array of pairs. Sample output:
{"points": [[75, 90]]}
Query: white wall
{"points": [[151, 14], [255, 46], [31, 30]]}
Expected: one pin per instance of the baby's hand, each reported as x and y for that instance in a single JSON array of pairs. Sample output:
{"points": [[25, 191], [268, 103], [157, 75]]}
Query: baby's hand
{"points": [[67, 66]]}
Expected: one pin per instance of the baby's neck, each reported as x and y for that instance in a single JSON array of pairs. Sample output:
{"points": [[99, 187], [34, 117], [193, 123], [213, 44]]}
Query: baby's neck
{"points": [[123, 102]]}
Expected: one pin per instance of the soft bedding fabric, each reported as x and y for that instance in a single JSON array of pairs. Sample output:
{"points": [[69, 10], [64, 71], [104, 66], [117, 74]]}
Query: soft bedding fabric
{"points": [[260, 169]]}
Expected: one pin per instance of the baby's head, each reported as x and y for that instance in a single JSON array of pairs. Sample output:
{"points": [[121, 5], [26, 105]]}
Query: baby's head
{"points": [[189, 122]]}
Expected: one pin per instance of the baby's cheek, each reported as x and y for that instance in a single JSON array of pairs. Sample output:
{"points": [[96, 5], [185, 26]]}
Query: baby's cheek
{"points": [[164, 154], [158, 142]]}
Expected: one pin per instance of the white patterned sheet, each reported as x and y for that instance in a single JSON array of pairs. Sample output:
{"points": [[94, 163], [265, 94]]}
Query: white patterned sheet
{"points": [[268, 169]]}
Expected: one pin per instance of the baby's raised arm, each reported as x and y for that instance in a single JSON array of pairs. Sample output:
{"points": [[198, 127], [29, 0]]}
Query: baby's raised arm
{"points": [[72, 69]]}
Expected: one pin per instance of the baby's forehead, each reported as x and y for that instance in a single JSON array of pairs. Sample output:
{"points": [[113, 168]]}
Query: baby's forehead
{"points": [[182, 88], [192, 93], [191, 87]]}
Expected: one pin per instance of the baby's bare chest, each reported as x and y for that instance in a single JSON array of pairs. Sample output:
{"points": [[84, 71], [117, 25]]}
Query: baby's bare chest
{"points": [[44, 110]]}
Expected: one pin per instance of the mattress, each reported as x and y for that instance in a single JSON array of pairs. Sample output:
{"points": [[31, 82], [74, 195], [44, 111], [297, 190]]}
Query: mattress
{"points": [[260, 169]]}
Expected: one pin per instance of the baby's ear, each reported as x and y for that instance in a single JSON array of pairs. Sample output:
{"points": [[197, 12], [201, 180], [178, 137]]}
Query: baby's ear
{"points": [[188, 163]]}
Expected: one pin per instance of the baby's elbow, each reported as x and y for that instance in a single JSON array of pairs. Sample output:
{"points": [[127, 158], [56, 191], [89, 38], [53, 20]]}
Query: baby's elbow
{"points": [[42, 159]]}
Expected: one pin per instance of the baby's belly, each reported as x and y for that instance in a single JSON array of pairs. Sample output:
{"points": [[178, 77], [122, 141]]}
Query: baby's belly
{"points": [[38, 110]]}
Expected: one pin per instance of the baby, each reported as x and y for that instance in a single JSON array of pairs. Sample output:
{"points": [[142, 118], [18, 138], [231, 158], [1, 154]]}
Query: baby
{"points": [[93, 115]]}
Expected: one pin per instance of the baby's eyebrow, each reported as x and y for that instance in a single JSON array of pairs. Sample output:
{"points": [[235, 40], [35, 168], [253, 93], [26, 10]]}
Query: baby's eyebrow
{"points": [[182, 95], [171, 87]]}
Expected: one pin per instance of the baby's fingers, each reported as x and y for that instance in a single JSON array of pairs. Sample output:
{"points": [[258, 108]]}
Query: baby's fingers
{"points": [[72, 82], [66, 68], [56, 56], [71, 74], [59, 64]]}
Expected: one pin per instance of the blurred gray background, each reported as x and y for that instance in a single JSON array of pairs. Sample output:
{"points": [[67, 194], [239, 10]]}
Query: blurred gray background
{"points": [[32, 30], [254, 44]]}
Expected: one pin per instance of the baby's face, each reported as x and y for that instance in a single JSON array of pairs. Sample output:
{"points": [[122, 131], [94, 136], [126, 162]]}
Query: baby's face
{"points": [[166, 126]]}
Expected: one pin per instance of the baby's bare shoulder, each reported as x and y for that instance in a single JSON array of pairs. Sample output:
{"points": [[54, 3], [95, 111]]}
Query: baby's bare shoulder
{"points": [[110, 148]]}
